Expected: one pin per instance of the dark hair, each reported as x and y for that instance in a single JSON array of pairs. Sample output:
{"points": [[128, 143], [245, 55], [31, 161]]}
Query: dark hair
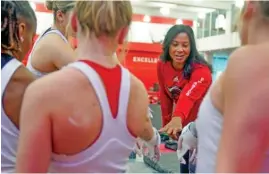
{"points": [[194, 56], [25, 10], [9, 26], [11, 11]]}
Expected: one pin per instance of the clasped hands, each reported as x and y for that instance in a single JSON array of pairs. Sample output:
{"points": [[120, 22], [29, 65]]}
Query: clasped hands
{"points": [[186, 141]]}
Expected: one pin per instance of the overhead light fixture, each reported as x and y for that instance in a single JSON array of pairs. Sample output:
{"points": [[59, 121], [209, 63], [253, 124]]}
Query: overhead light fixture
{"points": [[179, 21], [146, 18], [165, 11], [32, 4], [239, 3], [201, 15]]}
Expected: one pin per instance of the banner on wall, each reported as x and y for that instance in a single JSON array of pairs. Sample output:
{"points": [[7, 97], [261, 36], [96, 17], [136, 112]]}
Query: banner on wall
{"points": [[144, 66], [139, 59]]}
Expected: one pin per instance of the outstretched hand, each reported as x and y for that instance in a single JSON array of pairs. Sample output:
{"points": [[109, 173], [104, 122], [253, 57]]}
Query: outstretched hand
{"points": [[173, 127]]}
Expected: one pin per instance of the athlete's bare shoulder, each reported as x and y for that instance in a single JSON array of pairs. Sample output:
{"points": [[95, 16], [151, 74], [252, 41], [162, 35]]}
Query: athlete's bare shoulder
{"points": [[57, 88], [247, 75], [138, 88], [249, 61], [138, 102]]}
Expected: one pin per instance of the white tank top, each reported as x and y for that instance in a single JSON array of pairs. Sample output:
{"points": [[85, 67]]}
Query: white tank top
{"points": [[29, 65], [209, 128], [9, 132], [110, 152]]}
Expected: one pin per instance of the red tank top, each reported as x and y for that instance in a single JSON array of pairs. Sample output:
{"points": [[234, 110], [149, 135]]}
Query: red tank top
{"points": [[111, 77]]}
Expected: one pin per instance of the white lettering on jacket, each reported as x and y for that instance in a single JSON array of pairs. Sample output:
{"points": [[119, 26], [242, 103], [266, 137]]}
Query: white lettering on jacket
{"points": [[194, 86]]}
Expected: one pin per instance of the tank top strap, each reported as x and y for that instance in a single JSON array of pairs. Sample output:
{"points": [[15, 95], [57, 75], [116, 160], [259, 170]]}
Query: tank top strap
{"points": [[55, 32], [124, 94], [7, 71]]}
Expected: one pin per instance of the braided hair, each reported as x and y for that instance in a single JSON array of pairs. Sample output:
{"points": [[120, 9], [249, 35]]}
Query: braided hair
{"points": [[12, 11], [9, 27]]}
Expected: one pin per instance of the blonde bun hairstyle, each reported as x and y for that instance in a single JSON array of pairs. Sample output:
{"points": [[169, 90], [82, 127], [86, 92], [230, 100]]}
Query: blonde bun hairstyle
{"points": [[49, 4], [64, 6], [103, 17]]}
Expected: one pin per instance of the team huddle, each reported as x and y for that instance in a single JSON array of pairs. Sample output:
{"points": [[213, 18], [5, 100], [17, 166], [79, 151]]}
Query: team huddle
{"points": [[63, 112]]}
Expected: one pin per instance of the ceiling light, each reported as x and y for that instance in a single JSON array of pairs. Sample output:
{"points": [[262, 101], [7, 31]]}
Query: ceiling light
{"points": [[239, 3], [179, 21], [201, 15], [165, 11], [146, 18]]}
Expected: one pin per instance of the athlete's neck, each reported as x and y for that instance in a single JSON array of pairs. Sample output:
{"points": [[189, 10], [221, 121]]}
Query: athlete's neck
{"points": [[258, 33], [100, 51]]}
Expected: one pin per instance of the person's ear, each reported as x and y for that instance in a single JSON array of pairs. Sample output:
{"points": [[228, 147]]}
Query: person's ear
{"points": [[21, 31], [60, 16]]}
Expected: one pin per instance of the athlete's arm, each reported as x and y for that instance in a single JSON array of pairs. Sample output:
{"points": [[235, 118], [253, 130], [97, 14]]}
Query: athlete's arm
{"points": [[198, 85], [55, 50], [35, 146], [141, 124], [166, 102], [245, 135], [65, 54]]}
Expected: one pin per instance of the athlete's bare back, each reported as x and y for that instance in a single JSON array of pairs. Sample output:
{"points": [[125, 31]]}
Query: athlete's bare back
{"points": [[241, 94], [81, 114], [13, 96]]}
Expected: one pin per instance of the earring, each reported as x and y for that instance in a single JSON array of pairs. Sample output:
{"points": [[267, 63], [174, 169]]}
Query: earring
{"points": [[21, 38]]}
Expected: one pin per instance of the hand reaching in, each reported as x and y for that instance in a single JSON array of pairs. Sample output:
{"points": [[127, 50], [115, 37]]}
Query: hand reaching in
{"points": [[187, 140], [149, 148]]}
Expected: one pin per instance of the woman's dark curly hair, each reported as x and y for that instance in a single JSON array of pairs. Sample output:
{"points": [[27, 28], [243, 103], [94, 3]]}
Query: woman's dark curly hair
{"points": [[11, 11], [194, 56], [9, 26]]}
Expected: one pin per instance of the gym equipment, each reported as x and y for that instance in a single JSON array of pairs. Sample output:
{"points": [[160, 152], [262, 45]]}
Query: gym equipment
{"points": [[155, 165], [164, 137], [167, 164], [171, 144], [132, 155]]}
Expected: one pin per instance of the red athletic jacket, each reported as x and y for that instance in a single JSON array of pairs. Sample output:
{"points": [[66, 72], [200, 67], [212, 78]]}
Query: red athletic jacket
{"points": [[180, 97]]}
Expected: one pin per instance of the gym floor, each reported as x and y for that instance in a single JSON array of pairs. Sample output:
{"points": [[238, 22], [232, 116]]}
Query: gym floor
{"points": [[168, 159]]}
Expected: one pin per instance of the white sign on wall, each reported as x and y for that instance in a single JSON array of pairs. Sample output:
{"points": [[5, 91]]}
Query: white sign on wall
{"points": [[44, 21], [139, 31], [147, 32]]}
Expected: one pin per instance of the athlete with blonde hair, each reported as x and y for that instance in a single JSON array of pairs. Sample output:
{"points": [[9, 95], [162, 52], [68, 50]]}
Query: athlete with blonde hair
{"points": [[87, 116], [52, 50]]}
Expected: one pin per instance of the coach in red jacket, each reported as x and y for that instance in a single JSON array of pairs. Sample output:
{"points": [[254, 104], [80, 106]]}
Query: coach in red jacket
{"points": [[184, 78]]}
